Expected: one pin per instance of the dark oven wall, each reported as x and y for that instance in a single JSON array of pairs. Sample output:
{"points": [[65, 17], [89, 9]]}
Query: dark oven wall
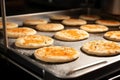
{"points": [[14, 7], [65, 4]]}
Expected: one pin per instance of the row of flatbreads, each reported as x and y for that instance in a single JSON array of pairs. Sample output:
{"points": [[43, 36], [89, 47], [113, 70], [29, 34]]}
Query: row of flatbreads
{"points": [[67, 20], [65, 34], [27, 37]]}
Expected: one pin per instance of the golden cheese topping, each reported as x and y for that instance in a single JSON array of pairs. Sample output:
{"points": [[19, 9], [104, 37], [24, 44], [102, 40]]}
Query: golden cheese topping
{"points": [[103, 45], [94, 28], [101, 48], [56, 54], [112, 35], [71, 34], [116, 33], [33, 41], [9, 25], [58, 51], [19, 32]]}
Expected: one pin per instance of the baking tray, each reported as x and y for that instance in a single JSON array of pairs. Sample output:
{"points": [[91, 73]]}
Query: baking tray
{"points": [[61, 70]]}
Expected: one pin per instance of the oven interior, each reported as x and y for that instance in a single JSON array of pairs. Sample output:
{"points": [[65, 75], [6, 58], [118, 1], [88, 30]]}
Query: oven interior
{"points": [[50, 5]]}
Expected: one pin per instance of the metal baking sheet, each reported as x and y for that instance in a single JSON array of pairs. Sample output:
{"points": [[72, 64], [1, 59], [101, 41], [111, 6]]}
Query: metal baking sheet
{"points": [[60, 70]]}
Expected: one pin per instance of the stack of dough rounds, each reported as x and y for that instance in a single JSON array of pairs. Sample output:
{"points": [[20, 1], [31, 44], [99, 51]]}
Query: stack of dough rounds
{"points": [[110, 23], [20, 31], [59, 17], [9, 25], [94, 28], [101, 48], [50, 27], [56, 54], [71, 35], [33, 41], [112, 35], [74, 22], [89, 17], [34, 22]]}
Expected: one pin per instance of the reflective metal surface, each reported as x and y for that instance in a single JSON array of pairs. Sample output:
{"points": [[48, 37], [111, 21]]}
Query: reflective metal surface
{"points": [[60, 70], [111, 6]]}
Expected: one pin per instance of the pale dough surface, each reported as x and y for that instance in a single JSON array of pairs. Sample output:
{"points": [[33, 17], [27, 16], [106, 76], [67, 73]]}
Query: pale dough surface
{"points": [[111, 23], [56, 54], [9, 25], [94, 28], [20, 31], [33, 41], [101, 48], [50, 27], [112, 35], [71, 35]]}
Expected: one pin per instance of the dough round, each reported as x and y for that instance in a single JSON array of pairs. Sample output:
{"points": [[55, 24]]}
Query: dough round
{"points": [[101, 48], [71, 35], [35, 22], [56, 54], [89, 17], [94, 28], [9, 25], [74, 22], [50, 27], [33, 41], [59, 17], [112, 35], [20, 31], [108, 22]]}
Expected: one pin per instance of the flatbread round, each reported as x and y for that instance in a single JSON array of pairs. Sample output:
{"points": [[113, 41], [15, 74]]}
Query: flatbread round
{"points": [[108, 22], [50, 27], [112, 35], [101, 48], [74, 22], [33, 41], [34, 22], [71, 35], [59, 17], [19, 32], [56, 54], [89, 17], [94, 28], [9, 25]]}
